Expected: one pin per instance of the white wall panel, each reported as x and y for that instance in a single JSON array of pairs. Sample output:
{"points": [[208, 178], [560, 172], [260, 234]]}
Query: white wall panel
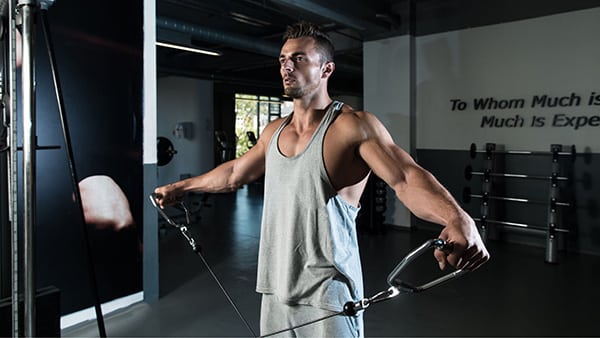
{"points": [[387, 94], [516, 63]]}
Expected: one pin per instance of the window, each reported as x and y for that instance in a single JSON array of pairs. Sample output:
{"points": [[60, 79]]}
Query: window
{"points": [[252, 114]]}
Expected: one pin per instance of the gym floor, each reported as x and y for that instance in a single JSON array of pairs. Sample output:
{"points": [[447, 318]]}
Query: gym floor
{"points": [[515, 294]]}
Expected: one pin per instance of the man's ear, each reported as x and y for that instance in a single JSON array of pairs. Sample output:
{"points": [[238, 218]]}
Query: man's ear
{"points": [[328, 69]]}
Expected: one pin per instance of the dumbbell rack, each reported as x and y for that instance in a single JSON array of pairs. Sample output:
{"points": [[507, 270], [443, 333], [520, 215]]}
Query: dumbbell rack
{"points": [[374, 204], [554, 224]]}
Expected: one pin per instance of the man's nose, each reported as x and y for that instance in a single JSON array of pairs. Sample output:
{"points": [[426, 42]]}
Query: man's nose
{"points": [[288, 66]]}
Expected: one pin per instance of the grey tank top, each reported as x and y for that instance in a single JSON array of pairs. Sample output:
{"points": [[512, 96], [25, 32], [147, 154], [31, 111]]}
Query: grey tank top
{"points": [[308, 248]]}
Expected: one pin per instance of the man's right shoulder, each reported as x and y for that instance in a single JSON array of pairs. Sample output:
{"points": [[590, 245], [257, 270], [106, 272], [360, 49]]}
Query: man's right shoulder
{"points": [[273, 125], [270, 129]]}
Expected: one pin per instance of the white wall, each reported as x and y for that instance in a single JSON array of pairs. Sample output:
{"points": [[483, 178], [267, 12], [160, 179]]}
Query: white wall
{"points": [[387, 95], [186, 100], [555, 55], [353, 101]]}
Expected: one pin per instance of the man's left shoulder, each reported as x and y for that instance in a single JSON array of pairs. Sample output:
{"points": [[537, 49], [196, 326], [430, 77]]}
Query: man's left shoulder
{"points": [[351, 115]]}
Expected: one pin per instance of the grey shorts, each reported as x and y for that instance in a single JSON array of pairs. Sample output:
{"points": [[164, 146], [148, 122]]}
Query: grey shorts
{"points": [[276, 316]]}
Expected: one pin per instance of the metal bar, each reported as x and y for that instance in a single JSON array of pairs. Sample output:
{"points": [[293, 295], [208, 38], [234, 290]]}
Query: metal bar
{"points": [[551, 245], [74, 178], [4, 147], [42, 147], [537, 177], [520, 200], [11, 78], [526, 152], [27, 10], [523, 226], [469, 173], [474, 150], [412, 94]]}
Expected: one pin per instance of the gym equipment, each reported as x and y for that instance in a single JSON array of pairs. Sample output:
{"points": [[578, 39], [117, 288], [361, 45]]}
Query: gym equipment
{"points": [[9, 86], [23, 15], [73, 171], [469, 173], [251, 137], [487, 173], [164, 151], [537, 228], [225, 146], [374, 204], [396, 284], [473, 151], [467, 195]]}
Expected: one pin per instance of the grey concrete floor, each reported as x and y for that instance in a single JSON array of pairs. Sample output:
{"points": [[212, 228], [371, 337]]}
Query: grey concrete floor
{"points": [[516, 294]]}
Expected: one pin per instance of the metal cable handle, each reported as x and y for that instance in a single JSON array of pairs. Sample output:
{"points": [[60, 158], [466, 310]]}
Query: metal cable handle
{"points": [[398, 286], [439, 244]]}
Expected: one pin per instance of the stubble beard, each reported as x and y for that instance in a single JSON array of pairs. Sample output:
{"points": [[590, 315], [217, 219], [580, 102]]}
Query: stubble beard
{"points": [[293, 92]]}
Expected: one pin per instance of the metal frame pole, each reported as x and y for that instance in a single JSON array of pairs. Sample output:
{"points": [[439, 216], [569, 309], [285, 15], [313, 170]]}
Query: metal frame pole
{"points": [[11, 78], [27, 10]]}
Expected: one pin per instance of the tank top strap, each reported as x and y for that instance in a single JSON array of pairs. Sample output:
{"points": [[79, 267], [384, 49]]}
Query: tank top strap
{"points": [[319, 134], [329, 117]]}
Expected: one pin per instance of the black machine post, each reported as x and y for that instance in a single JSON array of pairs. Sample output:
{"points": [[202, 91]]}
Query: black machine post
{"points": [[551, 245], [73, 170]]}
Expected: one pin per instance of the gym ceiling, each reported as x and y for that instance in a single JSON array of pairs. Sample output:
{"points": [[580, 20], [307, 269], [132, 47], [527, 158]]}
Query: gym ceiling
{"points": [[247, 33]]}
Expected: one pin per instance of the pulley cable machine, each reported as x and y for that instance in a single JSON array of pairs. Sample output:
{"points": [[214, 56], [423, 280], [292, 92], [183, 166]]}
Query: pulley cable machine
{"points": [[21, 14]]}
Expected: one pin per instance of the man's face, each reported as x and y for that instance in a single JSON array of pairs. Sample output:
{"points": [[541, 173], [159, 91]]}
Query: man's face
{"points": [[301, 67]]}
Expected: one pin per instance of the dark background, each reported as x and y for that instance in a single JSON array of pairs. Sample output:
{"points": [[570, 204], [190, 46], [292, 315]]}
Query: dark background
{"points": [[98, 51]]}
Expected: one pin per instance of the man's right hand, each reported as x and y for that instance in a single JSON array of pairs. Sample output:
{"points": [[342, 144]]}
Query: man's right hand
{"points": [[167, 194]]}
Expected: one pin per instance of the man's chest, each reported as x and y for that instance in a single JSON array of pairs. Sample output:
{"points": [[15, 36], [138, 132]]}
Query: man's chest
{"points": [[292, 142]]}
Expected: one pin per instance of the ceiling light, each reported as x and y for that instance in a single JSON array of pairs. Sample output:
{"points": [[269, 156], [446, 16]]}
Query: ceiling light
{"points": [[248, 19], [204, 51]]}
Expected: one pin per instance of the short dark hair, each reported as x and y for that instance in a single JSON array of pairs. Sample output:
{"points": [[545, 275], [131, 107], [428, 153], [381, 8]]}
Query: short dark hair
{"points": [[308, 29]]}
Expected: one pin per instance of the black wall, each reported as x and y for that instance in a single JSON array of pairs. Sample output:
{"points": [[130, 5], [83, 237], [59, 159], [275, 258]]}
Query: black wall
{"points": [[99, 53]]}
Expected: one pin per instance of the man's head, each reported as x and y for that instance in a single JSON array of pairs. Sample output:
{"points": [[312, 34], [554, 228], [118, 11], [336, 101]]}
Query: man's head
{"points": [[306, 60], [307, 29]]}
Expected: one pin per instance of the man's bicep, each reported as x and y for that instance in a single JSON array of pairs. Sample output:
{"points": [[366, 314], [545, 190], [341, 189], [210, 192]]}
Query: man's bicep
{"points": [[251, 165]]}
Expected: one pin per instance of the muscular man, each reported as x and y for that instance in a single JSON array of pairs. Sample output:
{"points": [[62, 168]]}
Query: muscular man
{"points": [[316, 163]]}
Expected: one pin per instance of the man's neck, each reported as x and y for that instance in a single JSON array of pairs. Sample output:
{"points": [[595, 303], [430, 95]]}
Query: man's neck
{"points": [[309, 110], [307, 106]]}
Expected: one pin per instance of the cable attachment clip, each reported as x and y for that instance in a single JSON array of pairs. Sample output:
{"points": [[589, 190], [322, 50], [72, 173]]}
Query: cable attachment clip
{"points": [[182, 227], [352, 308]]}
